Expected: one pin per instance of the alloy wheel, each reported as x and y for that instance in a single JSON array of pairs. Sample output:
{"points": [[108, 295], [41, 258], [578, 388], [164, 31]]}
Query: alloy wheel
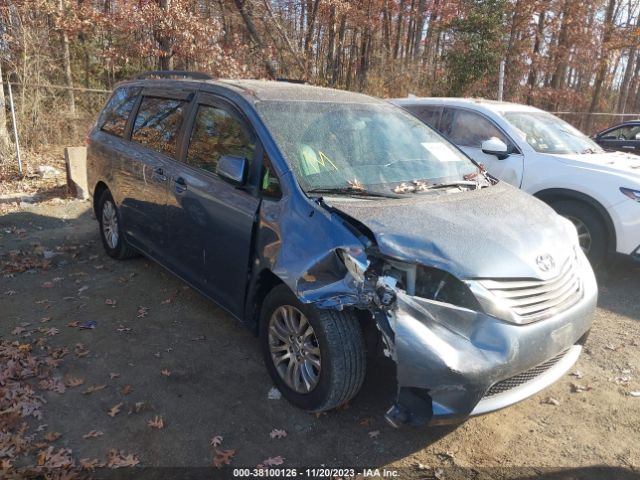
{"points": [[110, 224], [584, 235], [294, 348]]}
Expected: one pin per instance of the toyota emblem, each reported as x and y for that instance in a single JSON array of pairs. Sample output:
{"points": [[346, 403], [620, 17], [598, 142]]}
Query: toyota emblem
{"points": [[545, 262]]}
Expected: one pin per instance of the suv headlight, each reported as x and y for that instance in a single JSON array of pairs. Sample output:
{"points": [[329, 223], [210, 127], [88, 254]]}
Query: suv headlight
{"points": [[632, 194]]}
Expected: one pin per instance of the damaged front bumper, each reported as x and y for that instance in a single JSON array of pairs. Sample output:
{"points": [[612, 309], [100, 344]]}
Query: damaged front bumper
{"points": [[453, 363]]}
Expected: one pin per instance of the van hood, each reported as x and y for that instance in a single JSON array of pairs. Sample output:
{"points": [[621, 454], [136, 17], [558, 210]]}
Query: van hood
{"points": [[494, 232], [612, 162]]}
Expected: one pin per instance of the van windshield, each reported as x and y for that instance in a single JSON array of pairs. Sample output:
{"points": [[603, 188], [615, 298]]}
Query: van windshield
{"points": [[547, 133], [375, 146]]}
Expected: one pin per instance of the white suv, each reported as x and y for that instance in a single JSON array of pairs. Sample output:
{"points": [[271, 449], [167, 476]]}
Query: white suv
{"points": [[598, 191]]}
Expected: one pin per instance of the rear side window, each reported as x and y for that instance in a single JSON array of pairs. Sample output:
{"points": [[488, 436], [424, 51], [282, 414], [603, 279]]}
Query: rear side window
{"points": [[427, 114], [158, 124], [216, 133], [468, 129], [116, 113]]}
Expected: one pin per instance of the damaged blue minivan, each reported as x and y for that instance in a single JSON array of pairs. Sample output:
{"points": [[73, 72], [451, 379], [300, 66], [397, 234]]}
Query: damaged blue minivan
{"points": [[333, 224]]}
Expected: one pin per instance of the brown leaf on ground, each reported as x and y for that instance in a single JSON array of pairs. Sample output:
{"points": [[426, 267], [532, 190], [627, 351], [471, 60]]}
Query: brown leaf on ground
{"points": [[366, 421], [142, 312], [93, 389], [71, 381], [81, 350], [90, 464], [115, 410], [576, 388], [53, 384], [114, 375], [73, 324], [223, 457], [51, 436], [117, 459], [50, 332], [216, 441], [126, 390], [110, 301], [138, 407], [157, 422], [45, 319], [93, 434], [374, 433], [272, 461], [277, 433], [166, 372], [551, 401], [60, 459]]}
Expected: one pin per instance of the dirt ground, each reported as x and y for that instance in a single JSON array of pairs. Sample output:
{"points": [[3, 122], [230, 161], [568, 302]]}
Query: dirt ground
{"points": [[165, 353]]}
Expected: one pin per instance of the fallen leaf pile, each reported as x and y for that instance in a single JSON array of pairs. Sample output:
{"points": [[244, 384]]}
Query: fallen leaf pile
{"points": [[18, 261]]}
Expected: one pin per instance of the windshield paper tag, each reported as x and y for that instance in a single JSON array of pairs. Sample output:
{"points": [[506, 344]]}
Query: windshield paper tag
{"points": [[441, 151]]}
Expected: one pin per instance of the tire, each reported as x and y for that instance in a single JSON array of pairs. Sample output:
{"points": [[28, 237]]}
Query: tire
{"points": [[588, 222], [111, 232], [342, 356]]}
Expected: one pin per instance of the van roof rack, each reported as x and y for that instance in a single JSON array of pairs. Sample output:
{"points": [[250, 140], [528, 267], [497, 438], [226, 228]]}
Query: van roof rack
{"points": [[174, 73]]}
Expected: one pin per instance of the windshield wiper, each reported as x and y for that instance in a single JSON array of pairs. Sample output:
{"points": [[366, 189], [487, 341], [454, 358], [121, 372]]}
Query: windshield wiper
{"points": [[350, 191], [422, 186]]}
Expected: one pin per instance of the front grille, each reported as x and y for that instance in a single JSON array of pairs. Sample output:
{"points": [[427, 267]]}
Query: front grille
{"points": [[532, 299], [524, 377]]}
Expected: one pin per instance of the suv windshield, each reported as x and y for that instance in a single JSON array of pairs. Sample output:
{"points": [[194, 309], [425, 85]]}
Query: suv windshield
{"points": [[547, 133], [372, 146]]}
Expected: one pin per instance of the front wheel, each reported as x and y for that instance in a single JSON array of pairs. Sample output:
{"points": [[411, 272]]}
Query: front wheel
{"points": [[316, 357], [111, 232], [591, 229]]}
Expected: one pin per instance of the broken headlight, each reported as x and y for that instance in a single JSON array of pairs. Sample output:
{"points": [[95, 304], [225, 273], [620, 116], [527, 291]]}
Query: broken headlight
{"points": [[432, 284]]}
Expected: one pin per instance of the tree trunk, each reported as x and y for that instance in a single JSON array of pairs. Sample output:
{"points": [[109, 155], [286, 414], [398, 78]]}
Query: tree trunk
{"points": [[5, 140], [532, 80], [165, 59], [558, 77], [396, 47], [255, 36], [628, 72], [604, 62]]}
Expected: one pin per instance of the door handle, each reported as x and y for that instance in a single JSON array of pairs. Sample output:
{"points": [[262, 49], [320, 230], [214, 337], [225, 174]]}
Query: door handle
{"points": [[179, 185], [158, 175]]}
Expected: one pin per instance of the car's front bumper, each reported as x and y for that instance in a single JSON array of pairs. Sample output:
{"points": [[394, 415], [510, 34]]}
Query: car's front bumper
{"points": [[626, 219], [453, 363]]}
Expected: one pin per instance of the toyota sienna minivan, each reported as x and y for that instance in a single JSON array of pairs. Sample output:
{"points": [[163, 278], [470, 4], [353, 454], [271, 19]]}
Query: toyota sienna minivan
{"points": [[334, 224]]}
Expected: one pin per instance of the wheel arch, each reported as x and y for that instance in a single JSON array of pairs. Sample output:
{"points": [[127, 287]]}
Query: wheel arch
{"points": [[264, 282], [552, 195], [97, 193]]}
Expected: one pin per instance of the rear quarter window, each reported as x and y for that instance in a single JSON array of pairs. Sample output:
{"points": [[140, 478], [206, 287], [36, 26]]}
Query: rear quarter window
{"points": [[116, 112], [158, 124]]}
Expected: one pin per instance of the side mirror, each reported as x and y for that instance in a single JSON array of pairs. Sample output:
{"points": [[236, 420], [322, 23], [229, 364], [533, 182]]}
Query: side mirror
{"points": [[495, 146], [233, 168]]}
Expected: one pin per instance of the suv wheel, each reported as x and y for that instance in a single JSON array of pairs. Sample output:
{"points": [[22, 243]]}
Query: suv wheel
{"points": [[316, 357], [111, 234], [590, 227]]}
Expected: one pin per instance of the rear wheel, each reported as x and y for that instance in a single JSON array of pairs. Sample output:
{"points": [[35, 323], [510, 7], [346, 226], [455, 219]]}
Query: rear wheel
{"points": [[591, 229], [111, 233], [316, 357]]}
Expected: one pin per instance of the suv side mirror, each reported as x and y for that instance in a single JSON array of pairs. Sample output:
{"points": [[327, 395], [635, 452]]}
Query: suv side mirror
{"points": [[495, 146], [233, 168]]}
